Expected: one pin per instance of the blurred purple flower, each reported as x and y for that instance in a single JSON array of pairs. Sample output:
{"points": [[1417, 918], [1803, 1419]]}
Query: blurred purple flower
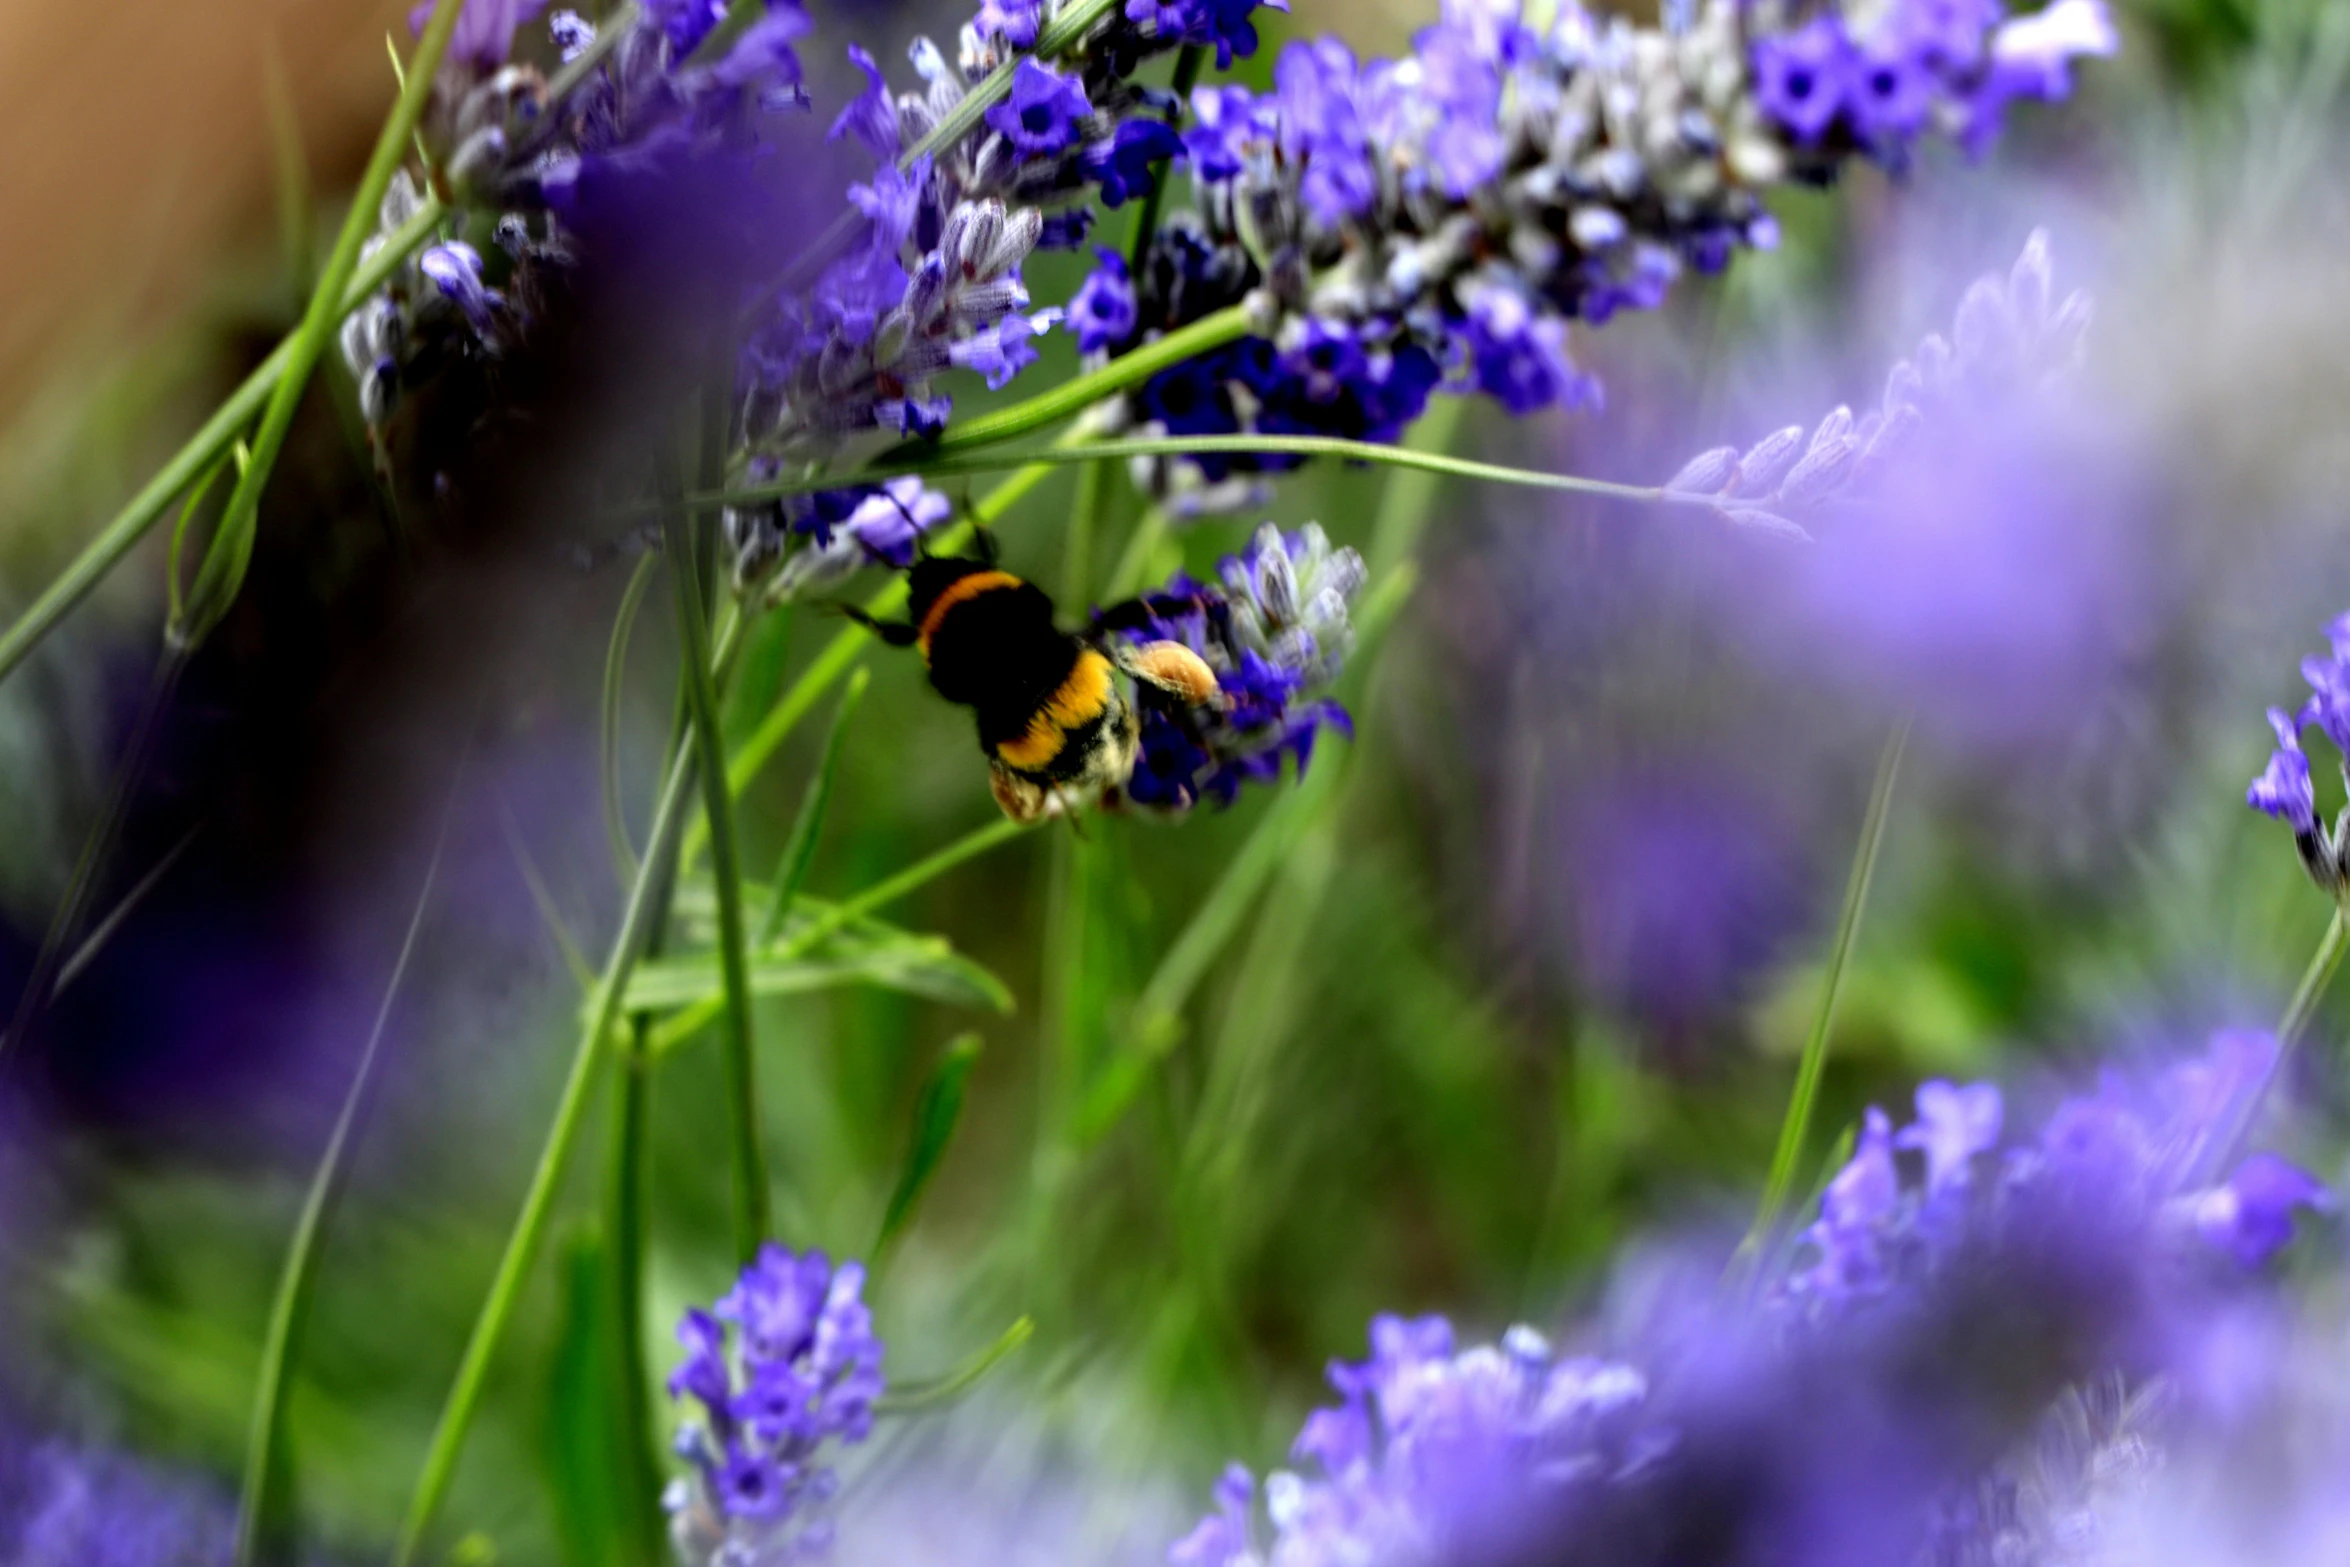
{"points": [[2127, 1158], [485, 29], [63, 1505], [1675, 886], [2250, 1215], [1954, 1124], [1800, 78], [2283, 789]]}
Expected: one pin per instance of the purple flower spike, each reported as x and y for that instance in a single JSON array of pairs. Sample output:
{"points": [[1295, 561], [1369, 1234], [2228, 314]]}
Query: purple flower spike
{"points": [[1275, 635], [1954, 1124], [1889, 91], [1042, 114], [803, 1370], [2251, 1216]]}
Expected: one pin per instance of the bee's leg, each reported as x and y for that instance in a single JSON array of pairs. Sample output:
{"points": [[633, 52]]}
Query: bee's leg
{"points": [[1022, 798], [896, 633]]}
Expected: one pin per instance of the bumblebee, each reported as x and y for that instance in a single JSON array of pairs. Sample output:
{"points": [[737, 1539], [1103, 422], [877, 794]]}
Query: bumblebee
{"points": [[1058, 731]]}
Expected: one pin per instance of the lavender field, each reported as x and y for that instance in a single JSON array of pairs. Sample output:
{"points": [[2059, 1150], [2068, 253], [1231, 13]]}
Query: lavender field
{"points": [[1391, 783]]}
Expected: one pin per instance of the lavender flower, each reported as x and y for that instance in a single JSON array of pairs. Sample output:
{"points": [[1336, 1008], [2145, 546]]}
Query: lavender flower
{"points": [[801, 1368], [2007, 340], [66, 1504], [2284, 789], [485, 28], [1275, 635], [813, 543], [1457, 208], [1430, 1454], [1043, 114], [2137, 1157]]}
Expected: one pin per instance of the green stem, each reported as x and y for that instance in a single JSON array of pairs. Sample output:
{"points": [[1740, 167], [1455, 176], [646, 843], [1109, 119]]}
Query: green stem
{"points": [[522, 1245], [193, 460], [1072, 398], [2314, 980], [222, 574], [734, 968], [266, 1459], [1795, 1129], [1135, 559], [906, 461]]}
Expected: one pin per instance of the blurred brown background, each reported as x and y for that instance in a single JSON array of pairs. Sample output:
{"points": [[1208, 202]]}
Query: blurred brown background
{"points": [[135, 151]]}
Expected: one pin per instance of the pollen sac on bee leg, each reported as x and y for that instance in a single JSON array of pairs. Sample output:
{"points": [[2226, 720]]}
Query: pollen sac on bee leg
{"points": [[1175, 669]]}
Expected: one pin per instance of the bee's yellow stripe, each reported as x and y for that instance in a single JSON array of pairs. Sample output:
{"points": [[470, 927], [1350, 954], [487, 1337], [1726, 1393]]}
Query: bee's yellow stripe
{"points": [[1079, 701], [961, 591]]}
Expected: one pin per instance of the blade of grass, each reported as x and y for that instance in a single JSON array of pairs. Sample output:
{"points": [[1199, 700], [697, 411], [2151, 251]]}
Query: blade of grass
{"points": [[206, 447], [89, 867], [937, 1110], [1065, 401], [1795, 1127], [223, 574], [914, 1397], [799, 851], [522, 1244], [543, 899], [632, 601], [261, 1524], [116, 917], [742, 1079]]}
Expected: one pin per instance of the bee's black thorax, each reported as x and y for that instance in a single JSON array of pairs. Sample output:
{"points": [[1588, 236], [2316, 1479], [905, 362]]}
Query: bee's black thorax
{"points": [[991, 645]]}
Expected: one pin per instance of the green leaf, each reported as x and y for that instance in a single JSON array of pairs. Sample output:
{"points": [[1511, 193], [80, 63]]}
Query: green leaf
{"points": [[910, 1397], [926, 966], [936, 1111]]}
